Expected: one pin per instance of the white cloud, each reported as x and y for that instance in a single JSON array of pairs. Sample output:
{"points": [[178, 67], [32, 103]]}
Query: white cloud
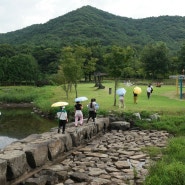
{"points": [[17, 14]]}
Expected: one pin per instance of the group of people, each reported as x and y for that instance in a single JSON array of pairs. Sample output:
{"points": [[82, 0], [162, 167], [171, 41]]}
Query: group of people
{"points": [[92, 107], [63, 119], [149, 91]]}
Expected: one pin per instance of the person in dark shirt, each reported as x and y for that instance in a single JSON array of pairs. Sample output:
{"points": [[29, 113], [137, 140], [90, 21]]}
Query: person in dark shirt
{"points": [[78, 113], [135, 97], [92, 110]]}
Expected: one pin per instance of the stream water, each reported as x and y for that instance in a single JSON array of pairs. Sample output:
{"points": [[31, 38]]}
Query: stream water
{"points": [[18, 123]]}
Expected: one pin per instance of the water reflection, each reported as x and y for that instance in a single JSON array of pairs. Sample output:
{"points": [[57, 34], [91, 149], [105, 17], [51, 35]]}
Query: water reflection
{"points": [[18, 123]]}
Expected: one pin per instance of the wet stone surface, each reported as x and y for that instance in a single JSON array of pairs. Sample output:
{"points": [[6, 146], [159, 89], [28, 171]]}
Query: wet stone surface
{"points": [[117, 158]]}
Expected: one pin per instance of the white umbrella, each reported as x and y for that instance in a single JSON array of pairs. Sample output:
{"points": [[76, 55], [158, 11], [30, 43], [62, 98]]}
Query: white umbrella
{"points": [[121, 91], [59, 104], [79, 99]]}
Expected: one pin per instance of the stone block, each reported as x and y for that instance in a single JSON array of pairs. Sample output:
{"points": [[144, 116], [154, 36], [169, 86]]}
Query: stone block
{"points": [[16, 163], [55, 147], [3, 169], [120, 125], [36, 154]]}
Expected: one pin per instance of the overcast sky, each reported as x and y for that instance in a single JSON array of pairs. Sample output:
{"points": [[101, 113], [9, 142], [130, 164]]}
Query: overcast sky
{"points": [[18, 14]]}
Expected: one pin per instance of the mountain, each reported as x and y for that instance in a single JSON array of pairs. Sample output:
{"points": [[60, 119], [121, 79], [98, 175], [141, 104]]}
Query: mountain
{"points": [[89, 24]]}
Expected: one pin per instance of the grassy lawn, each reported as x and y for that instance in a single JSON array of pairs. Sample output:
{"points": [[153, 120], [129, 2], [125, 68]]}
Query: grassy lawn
{"points": [[163, 99]]}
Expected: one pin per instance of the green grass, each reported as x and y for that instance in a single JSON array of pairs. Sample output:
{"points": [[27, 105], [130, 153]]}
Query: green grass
{"points": [[163, 100]]}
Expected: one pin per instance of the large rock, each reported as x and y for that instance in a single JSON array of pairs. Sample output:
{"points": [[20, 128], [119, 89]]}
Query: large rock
{"points": [[36, 154], [16, 163], [120, 125], [3, 168], [79, 177], [55, 147]]}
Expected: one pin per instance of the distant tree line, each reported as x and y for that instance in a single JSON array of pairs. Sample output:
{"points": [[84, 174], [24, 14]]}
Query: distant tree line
{"points": [[28, 64]]}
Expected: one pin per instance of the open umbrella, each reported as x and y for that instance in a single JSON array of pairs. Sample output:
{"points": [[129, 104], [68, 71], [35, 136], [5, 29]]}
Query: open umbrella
{"points": [[59, 104], [121, 91], [137, 90], [79, 99]]}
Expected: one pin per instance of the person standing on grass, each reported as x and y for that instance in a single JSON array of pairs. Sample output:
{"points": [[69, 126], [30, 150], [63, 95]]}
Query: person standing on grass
{"points": [[62, 119], [135, 97], [121, 101], [78, 113], [149, 91]]}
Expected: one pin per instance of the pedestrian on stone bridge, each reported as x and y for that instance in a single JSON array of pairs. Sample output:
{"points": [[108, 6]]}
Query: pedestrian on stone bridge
{"points": [[78, 113], [62, 116]]}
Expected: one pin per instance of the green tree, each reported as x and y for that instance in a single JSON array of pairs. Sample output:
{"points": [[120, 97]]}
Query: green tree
{"points": [[7, 50], [47, 58], [71, 64], [155, 60], [22, 67], [116, 60], [181, 59], [4, 69]]}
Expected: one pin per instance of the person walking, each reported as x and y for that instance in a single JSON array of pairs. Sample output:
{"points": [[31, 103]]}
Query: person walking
{"points": [[78, 113], [62, 119], [92, 110], [149, 90], [96, 107], [121, 101], [135, 97]]}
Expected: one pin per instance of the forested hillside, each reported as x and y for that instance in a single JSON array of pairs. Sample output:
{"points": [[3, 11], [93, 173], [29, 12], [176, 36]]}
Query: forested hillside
{"points": [[88, 24]]}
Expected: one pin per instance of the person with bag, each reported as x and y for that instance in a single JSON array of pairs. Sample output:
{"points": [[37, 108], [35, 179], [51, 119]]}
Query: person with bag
{"points": [[92, 110], [149, 90], [62, 119]]}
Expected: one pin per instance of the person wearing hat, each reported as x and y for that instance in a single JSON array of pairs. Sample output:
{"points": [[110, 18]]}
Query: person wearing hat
{"points": [[62, 118]]}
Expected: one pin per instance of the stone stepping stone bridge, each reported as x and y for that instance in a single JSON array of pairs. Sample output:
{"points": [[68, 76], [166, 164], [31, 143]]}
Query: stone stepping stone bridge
{"points": [[87, 155]]}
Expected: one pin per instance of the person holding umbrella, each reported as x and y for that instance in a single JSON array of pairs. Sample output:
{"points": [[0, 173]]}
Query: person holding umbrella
{"points": [[62, 116], [135, 97], [121, 101], [121, 92], [136, 92]]}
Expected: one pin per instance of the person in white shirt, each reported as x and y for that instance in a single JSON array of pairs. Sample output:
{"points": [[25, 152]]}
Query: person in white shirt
{"points": [[149, 91], [62, 118]]}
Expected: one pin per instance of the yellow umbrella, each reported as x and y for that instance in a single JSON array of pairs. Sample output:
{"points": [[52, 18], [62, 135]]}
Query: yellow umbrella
{"points": [[59, 104], [137, 90]]}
